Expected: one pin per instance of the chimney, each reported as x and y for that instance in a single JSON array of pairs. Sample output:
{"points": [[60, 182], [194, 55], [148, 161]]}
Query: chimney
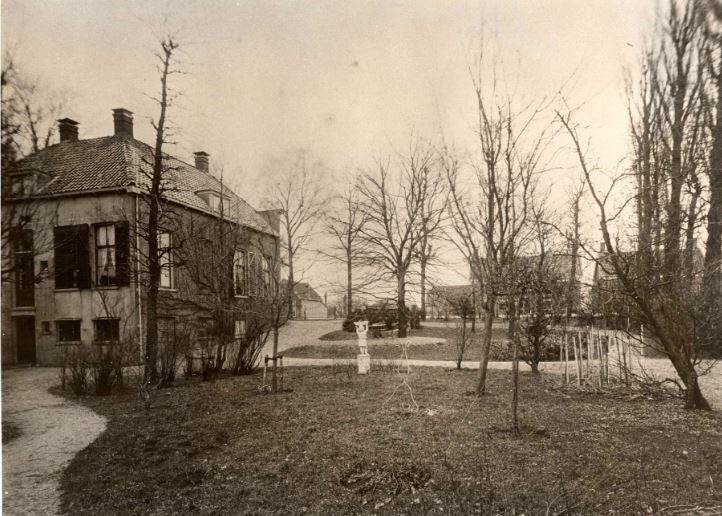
{"points": [[123, 122], [202, 161], [68, 130]]}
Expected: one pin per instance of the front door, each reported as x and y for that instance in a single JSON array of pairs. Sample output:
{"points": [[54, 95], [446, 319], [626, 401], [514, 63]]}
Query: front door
{"points": [[25, 338]]}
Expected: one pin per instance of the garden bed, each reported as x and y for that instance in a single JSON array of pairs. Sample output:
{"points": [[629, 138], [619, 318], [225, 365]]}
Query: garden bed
{"points": [[340, 443]]}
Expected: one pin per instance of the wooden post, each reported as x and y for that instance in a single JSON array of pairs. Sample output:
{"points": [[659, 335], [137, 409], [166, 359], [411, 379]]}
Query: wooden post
{"points": [[561, 358], [619, 355], [566, 360], [578, 360]]}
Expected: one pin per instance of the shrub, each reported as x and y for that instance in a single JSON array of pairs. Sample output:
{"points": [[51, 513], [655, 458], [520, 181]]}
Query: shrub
{"points": [[74, 369]]}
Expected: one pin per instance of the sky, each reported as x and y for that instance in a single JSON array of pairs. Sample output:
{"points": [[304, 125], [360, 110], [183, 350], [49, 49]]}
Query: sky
{"points": [[347, 81]]}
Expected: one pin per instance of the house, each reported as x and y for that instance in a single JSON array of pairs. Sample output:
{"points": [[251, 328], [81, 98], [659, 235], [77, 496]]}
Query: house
{"points": [[74, 247], [447, 301], [609, 298], [307, 304]]}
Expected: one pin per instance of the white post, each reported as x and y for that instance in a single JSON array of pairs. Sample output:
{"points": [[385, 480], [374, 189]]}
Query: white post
{"points": [[363, 358]]}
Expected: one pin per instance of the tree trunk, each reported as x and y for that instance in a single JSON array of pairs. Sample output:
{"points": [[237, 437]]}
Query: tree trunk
{"points": [[515, 387], [401, 303], [462, 344], [150, 373], [423, 286], [291, 283], [713, 255], [274, 377], [349, 284], [486, 344]]}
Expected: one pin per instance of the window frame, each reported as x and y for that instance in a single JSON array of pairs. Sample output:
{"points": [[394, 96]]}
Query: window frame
{"points": [[241, 265], [108, 250], [114, 339], [165, 260], [60, 333]]}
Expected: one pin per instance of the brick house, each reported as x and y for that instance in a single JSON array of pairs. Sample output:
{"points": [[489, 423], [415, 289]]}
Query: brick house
{"points": [[76, 273]]}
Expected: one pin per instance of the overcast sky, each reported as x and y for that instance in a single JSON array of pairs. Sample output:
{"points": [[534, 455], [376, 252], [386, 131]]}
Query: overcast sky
{"points": [[346, 80]]}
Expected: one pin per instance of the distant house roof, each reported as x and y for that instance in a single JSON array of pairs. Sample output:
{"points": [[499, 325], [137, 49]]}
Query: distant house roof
{"points": [[121, 162], [305, 292], [451, 291]]}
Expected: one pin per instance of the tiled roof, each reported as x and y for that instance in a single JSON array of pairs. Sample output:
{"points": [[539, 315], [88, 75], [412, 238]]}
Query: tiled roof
{"points": [[117, 161], [305, 292]]}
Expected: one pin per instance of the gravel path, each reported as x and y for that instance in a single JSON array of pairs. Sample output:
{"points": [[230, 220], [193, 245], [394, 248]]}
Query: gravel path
{"points": [[53, 431]]}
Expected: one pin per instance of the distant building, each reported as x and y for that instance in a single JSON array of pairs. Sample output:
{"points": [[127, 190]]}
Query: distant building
{"points": [[307, 304], [444, 301]]}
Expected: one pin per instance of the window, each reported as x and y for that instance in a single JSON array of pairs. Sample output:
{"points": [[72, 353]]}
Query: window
{"points": [[72, 266], [216, 203], [240, 278], [24, 267], [253, 276], [266, 269], [68, 332], [105, 255], [166, 334], [107, 331], [111, 255], [165, 258], [240, 329]]}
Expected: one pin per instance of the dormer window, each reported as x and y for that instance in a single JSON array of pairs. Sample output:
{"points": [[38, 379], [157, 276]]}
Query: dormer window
{"points": [[216, 202], [26, 182]]}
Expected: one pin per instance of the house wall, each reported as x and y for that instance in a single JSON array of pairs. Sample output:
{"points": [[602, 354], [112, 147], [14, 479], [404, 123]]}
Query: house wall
{"points": [[52, 304], [308, 310], [183, 302]]}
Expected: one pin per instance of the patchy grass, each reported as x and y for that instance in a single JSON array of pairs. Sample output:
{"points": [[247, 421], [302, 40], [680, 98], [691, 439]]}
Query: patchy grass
{"points": [[439, 332], [340, 443], [10, 431], [443, 350]]}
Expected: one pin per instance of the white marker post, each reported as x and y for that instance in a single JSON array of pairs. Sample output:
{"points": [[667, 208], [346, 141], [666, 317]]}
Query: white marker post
{"points": [[364, 359]]}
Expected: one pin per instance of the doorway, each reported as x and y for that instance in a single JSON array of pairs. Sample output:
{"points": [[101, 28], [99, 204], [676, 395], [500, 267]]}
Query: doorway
{"points": [[25, 339]]}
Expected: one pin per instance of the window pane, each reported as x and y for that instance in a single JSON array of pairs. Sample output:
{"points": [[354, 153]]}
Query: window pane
{"points": [[68, 331]]}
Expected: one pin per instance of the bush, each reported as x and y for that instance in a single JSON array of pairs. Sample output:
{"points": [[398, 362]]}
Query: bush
{"points": [[74, 362], [348, 325]]}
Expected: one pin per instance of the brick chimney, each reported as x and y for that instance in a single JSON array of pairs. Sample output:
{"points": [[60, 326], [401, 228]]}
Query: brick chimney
{"points": [[123, 122], [68, 130], [202, 161]]}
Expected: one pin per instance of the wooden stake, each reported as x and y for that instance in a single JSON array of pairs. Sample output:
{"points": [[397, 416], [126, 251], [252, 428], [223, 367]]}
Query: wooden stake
{"points": [[566, 359], [578, 360], [561, 359]]}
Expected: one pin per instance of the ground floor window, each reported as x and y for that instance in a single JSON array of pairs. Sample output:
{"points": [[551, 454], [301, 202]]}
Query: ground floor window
{"points": [[107, 331], [68, 331]]}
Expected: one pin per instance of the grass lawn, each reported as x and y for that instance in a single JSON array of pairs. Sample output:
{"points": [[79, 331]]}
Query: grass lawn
{"points": [[447, 332], [442, 350], [346, 444]]}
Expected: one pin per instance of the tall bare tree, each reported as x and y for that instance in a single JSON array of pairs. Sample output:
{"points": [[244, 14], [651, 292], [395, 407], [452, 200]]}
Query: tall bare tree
{"points": [[490, 202], [345, 225], [394, 202], [159, 180], [299, 195]]}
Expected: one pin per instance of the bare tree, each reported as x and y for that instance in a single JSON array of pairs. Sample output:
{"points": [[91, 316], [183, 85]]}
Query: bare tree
{"points": [[345, 226], [713, 255], [299, 195], [394, 203], [660, 303], [490, 203], [159, 183], [28, 125]]}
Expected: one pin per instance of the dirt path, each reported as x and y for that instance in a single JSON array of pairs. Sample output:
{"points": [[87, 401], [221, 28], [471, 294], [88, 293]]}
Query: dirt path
{"points": [[53, 431]]}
